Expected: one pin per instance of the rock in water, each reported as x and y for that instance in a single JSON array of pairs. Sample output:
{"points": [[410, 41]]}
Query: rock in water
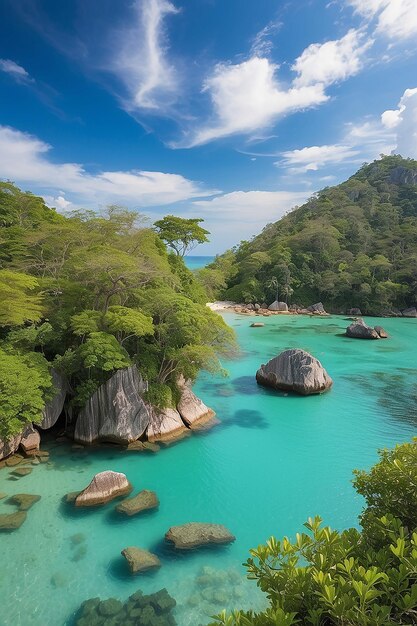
{"points": [[381, 332], [294, 370], [140, 560], [144, 501], [53, 407], [116, 411], [197, 534], [104, 487], [31, 439], [192, 410], [165, 424], [13, 521], [360, 330], [24, 500], [257, 325], [278, 306]]}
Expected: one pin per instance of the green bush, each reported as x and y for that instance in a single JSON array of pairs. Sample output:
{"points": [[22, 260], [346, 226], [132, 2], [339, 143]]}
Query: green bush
{"points": [[325, 577]]}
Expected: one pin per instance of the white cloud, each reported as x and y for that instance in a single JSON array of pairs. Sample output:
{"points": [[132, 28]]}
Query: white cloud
{"points": [[404, 122], [25, 160], [248, 96], [58, 202], [331, 61], [140, 61], [315, 157], [15, 70], [394, 18]]}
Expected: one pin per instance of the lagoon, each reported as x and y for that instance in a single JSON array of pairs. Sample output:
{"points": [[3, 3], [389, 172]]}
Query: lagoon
{"points": [[274, 460]]}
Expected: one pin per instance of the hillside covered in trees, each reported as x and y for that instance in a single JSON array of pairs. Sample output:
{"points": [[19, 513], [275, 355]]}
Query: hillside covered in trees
{"points": [[90, 294], [352, 245]]}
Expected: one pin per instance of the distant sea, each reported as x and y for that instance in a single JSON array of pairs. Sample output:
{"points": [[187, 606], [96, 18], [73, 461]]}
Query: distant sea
{"points": [[197, 262]]}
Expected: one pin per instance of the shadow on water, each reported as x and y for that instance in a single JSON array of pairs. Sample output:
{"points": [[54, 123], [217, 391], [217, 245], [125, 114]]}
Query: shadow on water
{"points": [[246, 418], [245, 385]]}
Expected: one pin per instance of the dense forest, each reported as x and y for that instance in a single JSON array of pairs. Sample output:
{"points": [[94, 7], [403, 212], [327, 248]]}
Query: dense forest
{"points": [[89, 294], [352, 245]]}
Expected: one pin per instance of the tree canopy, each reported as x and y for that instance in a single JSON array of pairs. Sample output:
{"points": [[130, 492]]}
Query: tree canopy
{"points": [[352, 245], [181, 234]]}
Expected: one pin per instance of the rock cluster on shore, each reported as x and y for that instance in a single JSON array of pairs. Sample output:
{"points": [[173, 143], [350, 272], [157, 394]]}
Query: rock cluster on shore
{"points": [[294, 370]]}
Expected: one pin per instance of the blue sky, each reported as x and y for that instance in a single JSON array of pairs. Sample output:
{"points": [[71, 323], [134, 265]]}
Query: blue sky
{"points": [[230, 110]]}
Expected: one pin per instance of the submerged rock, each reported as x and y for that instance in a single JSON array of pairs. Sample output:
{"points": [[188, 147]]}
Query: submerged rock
{"points": [[192, 410], [360, 330], [140, 560], [165, 424], [22, 471], [116, 411], [12, 521], [381, 332], [257, 325], [53, 407], [104, 487], [24, 500], [197, 534], [278, 306], [30, 440], [144, 501], [294, 370]]}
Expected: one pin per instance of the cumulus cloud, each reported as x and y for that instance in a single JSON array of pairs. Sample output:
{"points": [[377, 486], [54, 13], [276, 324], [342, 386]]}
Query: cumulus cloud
{"points": [[332, 61], [15, 70], [140, 59], [312, 158], [394, 18], [25, 160], [248, 96], [404, 122]]}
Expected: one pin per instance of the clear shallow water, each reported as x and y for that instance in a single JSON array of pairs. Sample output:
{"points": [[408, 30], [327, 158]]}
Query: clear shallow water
{"points": [[197, 262], [273, 461]]}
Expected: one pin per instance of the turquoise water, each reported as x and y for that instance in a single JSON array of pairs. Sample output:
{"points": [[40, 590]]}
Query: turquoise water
{"points": [[197, 262], [274, 460]]}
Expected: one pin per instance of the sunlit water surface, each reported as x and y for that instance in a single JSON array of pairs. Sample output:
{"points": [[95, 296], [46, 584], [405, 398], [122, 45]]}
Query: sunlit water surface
{"points": [[273, 461]]}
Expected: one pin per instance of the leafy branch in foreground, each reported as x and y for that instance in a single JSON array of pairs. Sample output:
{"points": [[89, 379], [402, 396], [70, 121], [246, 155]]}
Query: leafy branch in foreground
{"points": [[325, 577]]}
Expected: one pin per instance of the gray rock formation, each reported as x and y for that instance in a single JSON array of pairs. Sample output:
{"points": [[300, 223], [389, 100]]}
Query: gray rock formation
{"points": [[143, 501], [30, 440], [410, 312], [165, 424], [317, 308], [381, 332], [104, 487], [116, 411], [192, 410], [278, 306], [360, 330], [294, 370], [9, 446], [354, 312], [402, 176], [197, 534], [53, 407], [140, 560]]}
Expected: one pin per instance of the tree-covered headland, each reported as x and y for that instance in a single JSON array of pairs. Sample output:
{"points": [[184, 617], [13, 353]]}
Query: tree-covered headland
{"points": [[89, 294], [352, 245]]}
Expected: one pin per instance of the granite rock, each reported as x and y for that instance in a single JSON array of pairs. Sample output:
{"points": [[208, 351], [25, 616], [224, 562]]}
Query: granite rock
{"points": [[104, 487], [140, 560], [195, 534]]}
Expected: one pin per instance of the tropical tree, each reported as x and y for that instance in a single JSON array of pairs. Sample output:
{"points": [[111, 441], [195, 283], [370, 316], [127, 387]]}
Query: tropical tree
{"points": [[181, 234]]}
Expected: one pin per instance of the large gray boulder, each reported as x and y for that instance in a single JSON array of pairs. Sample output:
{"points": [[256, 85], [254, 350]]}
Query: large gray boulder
{"points": [[53, 407], [354, 311], [278, 306], [197, 534], [165, 424], [192, 410], [9, 446], [294, 370], [104, 487], [116, 411], [360, 330], [317, 308], [410, 312]]}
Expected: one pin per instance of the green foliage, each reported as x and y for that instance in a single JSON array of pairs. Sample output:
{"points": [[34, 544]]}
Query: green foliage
{"points": [[24, 383], [160, 395], [325, 577], [180, 234], [353, 245], [102, 351], [17, 304]]}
